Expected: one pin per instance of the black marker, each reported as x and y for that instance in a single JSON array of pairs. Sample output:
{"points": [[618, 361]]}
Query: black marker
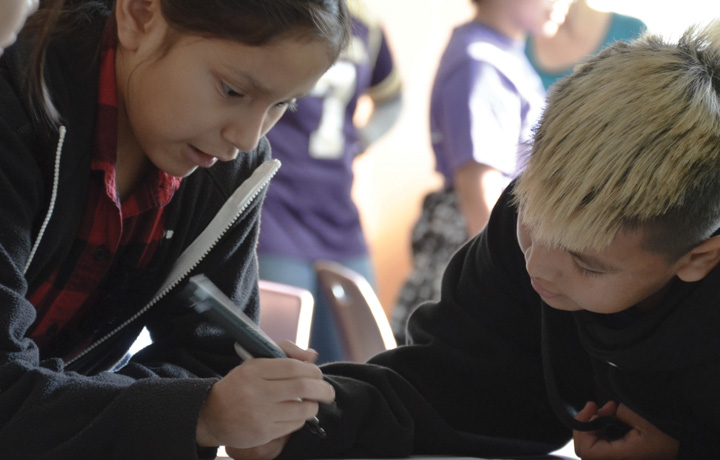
{"points": [[250, 342]]}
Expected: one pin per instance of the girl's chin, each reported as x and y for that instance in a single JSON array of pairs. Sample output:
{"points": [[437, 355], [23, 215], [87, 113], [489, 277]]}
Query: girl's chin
{"points": [[200, 158]]}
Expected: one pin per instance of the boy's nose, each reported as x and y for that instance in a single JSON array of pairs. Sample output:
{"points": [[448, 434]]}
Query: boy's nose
{"points": [[542, 262]]}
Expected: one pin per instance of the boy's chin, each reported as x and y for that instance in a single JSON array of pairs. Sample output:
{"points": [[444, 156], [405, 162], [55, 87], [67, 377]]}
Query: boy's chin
{"points": [[562, 303]]}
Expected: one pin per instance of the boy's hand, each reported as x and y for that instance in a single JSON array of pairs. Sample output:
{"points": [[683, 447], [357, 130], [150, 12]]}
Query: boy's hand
{"points": [[643, 442], [262, 401]]}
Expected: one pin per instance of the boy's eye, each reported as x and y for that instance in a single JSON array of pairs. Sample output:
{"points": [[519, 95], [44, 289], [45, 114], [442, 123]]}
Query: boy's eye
{"points": [[585, 271]]}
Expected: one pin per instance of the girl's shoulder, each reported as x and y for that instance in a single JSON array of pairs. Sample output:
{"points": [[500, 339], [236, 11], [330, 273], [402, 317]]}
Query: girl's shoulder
{"points": [[624, 28]]}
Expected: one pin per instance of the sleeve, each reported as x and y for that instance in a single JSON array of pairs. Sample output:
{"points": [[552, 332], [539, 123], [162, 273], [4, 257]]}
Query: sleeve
{"points": [[625, 28], [478, 116], [700, 438], [49, 412], [702, 446], [385, 82], [470, 383]]}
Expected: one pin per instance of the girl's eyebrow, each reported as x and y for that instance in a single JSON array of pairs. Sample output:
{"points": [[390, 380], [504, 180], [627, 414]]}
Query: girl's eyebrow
{"points": [[249, 80], [255, 85], [593, 262]]}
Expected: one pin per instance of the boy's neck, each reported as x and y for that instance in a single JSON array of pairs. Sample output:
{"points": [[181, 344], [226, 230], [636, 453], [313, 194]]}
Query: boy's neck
{"points": [[654, 300]]}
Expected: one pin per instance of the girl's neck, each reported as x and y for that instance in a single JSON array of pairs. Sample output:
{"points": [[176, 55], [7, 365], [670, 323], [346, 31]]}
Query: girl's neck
{"points": [[131, 164], [583, 20], [581, 35], [498, 20]]}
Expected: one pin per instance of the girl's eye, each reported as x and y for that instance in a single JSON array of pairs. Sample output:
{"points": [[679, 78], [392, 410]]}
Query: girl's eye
{"points": [[229, 91], [290, 106]]}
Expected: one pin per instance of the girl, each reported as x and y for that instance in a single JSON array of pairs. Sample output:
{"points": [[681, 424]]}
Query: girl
{"points": [[486, 97], [137, 160], [584, 33]]}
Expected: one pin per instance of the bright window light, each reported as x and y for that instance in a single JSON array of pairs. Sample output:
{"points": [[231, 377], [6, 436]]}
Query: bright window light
{"points": [[669, 18]]}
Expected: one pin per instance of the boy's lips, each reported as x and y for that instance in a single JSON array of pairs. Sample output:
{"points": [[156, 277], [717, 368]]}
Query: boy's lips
{"points": [[541, 290], [201, 158]]}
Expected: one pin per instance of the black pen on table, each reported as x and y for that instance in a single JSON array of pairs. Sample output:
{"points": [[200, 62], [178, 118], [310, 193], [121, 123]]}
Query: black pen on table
{"points": [[250, 342]]}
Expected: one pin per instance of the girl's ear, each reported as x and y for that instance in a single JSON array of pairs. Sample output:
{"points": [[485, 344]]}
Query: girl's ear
{"points": [[135, 20], [696, 264]]}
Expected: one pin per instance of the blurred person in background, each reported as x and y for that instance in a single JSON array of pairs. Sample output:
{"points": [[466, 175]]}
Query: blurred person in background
{"points": [[584, 33], [12, 17], [485, 100], [309, 213]]}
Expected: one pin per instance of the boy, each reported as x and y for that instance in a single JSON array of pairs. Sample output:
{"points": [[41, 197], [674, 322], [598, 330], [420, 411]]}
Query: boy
{"points": [[610, 237]]}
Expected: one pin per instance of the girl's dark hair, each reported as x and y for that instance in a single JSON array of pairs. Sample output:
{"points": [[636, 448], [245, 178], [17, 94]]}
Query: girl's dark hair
{"points": [[42, 24], [251, 22]]}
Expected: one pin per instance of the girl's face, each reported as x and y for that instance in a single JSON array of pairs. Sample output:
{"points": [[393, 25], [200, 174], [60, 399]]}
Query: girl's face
{"points": [[12, 17], [621, 276], [539, 17], [208, 99]]}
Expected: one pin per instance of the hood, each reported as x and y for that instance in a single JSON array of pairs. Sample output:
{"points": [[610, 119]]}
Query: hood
{"points": [[681, 332]]}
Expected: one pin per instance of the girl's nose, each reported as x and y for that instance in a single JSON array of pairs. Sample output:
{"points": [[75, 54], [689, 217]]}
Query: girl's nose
{"points": [[245, 132]]}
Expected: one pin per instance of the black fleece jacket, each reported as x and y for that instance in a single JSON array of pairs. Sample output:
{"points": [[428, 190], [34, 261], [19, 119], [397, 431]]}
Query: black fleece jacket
{"points": [[471, 383], [148, 409]]}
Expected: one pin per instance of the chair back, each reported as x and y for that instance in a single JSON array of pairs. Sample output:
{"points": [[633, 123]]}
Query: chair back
{"points": [[286, 312], [360, 318]]}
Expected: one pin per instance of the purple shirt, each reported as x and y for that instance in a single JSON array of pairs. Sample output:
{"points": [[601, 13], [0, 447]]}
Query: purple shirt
{"points": [[309, 212], [485, 101]]}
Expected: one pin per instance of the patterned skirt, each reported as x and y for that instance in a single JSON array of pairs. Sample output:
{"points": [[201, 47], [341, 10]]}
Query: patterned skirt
{"points": [[438, 233]]}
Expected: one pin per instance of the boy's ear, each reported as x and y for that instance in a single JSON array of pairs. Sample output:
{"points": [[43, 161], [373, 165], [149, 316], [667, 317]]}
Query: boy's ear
{"points": [[135, 20], [696, 264]]}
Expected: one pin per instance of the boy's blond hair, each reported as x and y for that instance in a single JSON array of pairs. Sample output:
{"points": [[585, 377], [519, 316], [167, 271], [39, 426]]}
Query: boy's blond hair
{"points": [[631, 140]]}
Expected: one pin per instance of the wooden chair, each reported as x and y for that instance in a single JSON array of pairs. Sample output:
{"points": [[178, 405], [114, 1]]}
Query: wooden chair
{"points": [[286, 312], [361, 320]]}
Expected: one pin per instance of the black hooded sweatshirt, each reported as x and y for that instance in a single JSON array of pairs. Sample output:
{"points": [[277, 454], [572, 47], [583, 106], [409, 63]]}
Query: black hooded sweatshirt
{"points": [[471, 381], [55, 408]]}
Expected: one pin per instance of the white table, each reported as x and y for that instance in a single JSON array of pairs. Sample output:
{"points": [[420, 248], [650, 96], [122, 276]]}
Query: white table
{"points": [[566, 453]]}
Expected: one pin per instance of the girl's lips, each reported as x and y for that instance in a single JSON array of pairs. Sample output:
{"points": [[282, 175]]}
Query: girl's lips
{"points": [[201, 158], [541, 290]]}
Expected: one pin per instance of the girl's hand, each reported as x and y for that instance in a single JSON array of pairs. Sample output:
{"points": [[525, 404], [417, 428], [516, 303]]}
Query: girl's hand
{"points": [[267, 451], [262, 401], [643, 442]]}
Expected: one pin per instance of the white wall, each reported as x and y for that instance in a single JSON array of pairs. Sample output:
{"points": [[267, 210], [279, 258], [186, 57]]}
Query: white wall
{"points": [[664, 16]]}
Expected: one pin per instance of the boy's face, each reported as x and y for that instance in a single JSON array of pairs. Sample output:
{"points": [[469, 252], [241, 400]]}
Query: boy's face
{"points": [[621, 276], [208, 99]]}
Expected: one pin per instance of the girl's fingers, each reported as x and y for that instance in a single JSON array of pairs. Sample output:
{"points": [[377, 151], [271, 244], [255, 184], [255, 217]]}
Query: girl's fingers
{"points": [[281, 368], [278, 380], [264, 452], [295, 352], [301, 390]]}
